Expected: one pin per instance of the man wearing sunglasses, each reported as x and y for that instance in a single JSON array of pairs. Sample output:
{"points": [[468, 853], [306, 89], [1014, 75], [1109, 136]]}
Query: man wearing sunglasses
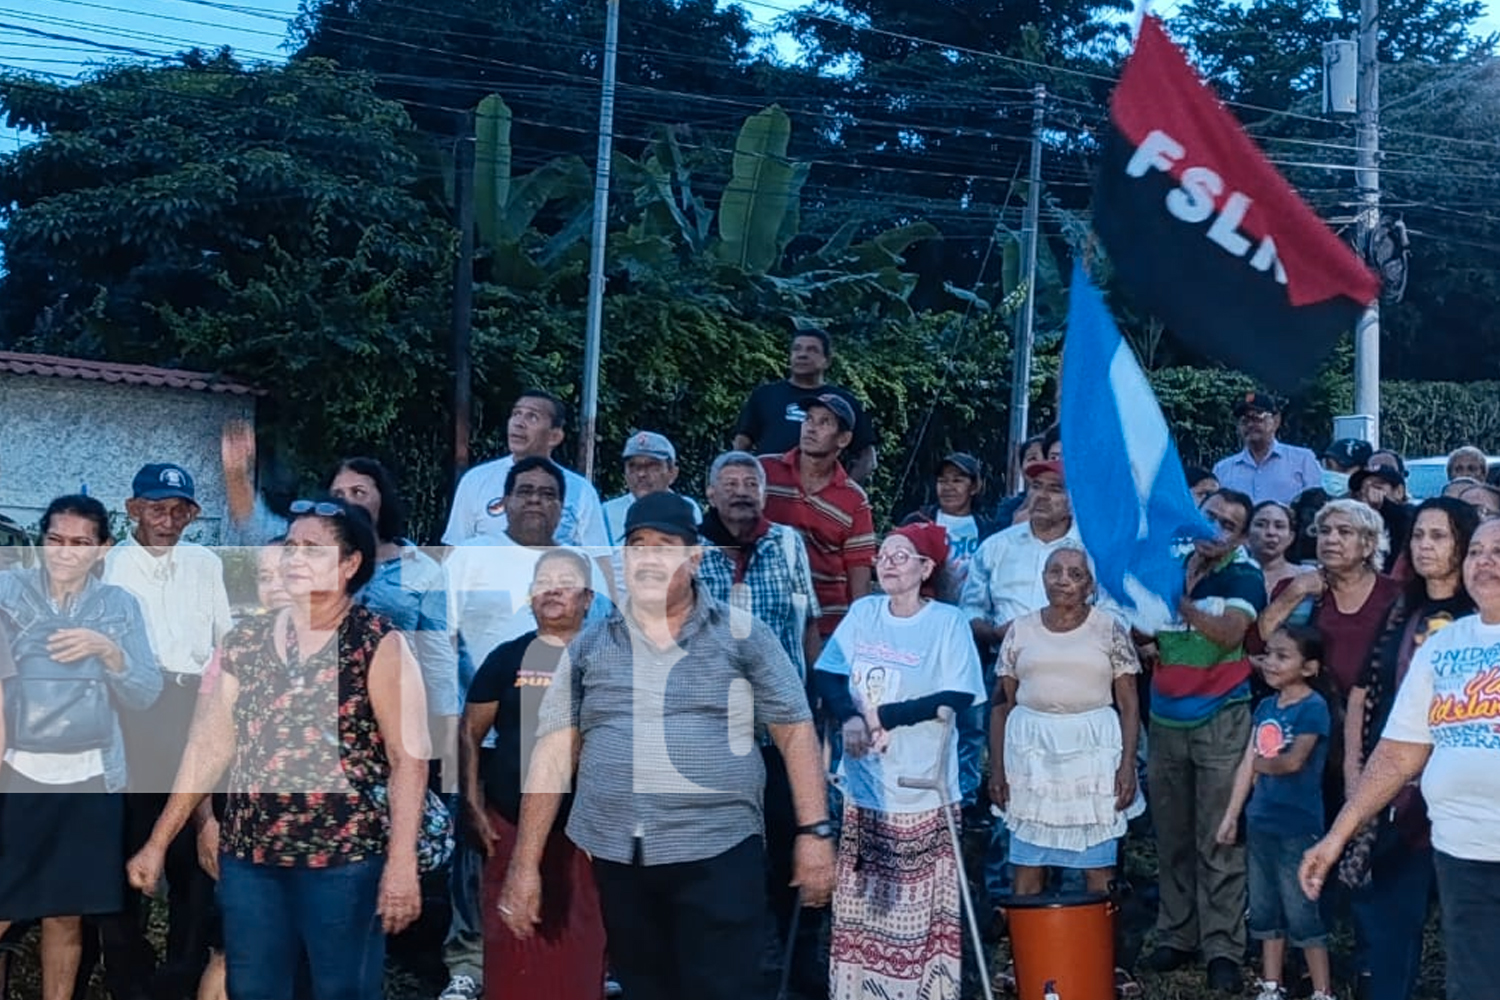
{"points": [[180, 588], [1266, 469]]}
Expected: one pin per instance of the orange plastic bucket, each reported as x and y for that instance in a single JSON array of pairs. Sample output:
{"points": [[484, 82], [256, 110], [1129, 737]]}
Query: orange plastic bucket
{"points": [[1067, 940]]}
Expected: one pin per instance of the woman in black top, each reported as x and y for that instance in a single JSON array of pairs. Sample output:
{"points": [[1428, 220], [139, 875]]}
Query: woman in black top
{"points": [[1389, 864], [565, 959]]}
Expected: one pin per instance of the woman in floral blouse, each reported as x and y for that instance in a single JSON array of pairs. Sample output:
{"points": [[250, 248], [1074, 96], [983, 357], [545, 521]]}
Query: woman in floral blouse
{"points": [[319, 709]]}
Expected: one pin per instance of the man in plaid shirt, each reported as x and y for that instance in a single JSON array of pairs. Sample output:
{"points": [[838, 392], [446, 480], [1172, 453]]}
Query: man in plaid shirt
{"points": [[761, 567], [754, 564]]}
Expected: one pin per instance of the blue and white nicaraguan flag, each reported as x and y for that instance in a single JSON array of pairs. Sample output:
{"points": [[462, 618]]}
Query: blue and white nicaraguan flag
{"points": [[1130, 496]]}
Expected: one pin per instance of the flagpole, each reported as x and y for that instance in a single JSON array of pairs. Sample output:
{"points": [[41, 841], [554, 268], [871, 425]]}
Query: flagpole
{"points": [[1020, 388], [1367, 141]]}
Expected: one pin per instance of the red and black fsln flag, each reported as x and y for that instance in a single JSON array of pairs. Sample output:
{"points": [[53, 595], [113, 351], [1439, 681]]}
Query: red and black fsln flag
{"points": [[1204, 233]]}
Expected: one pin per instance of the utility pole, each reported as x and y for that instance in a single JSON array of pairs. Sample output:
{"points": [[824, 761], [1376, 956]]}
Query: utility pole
{"points": [[463, 294], [1020, 389], [593, 337], [1367, 176]]}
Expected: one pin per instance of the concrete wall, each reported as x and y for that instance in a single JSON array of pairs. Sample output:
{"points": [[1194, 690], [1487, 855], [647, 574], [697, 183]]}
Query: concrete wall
{"points": [[60, 434]]}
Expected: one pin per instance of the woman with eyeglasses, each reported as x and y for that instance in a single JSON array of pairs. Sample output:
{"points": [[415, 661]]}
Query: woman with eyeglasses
{"points": [[318, 716], [564, 959], [894, 661], [1063, 735], [74, 654]]}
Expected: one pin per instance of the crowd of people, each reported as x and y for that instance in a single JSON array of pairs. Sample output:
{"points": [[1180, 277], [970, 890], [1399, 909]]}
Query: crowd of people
{"points": [[669, 749]]}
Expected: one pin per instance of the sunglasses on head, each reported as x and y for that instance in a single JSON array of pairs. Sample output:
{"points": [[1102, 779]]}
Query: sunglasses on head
{"points": [[322, 508]]}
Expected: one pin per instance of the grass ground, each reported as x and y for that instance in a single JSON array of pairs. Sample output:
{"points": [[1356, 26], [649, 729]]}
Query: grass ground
{"points": [[418, 974], [1188, 984]]}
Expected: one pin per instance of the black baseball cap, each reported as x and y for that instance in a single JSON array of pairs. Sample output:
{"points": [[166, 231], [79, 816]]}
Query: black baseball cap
{"points": [[965, 463], [1256, 402], [663, 511], [1351, 453], [834, 403], [1385, 473], [163, 481]]}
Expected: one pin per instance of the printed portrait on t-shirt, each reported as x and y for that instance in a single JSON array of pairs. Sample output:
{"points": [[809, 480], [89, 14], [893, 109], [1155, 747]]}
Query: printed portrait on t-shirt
{"points": [[873, 687], [1271, 738], [1431, 626]]}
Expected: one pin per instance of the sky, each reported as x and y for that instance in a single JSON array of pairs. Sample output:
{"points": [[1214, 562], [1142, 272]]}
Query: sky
{"points": [[65, 37]]}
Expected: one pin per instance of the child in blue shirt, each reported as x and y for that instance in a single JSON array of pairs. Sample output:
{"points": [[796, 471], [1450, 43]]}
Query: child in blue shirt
{"points": [[1284, 765]]}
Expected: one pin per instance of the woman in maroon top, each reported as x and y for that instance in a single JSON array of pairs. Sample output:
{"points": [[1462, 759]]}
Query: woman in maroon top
{"points": [[1345, 598], [319, 710]]}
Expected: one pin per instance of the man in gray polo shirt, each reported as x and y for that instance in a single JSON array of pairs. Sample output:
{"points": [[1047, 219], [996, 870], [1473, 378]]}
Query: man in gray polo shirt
{"points": [[658, 704]]}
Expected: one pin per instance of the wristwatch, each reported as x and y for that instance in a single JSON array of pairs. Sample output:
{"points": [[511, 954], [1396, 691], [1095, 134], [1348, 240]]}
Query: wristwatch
{"points": [[822, 829]]}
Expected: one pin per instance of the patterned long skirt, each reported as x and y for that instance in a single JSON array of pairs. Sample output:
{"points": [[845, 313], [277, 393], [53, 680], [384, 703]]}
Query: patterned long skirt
{"points": [[897, 927]]}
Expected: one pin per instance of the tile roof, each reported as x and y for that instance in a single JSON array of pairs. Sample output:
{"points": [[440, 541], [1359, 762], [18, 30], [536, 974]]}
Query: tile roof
{"points": [[102, 371]]}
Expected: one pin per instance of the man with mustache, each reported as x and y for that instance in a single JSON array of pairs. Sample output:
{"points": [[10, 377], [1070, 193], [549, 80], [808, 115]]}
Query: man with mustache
{"points": [[762, 568], [647, 722]]}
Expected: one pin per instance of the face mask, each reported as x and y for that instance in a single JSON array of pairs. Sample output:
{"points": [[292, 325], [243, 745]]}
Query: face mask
{"points": [[1336, 484]]}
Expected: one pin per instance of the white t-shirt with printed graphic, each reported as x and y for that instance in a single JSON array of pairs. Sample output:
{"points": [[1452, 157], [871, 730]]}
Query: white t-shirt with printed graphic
{"points": [[889, 660], [963, 542], [1450, 701], [479, 508]]}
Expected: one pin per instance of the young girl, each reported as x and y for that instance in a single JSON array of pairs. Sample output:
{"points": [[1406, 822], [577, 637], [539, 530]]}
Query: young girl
{"points": [[1284, 764]]}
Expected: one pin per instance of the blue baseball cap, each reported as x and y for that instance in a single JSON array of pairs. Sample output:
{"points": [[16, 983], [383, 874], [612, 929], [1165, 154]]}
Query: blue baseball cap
{"points": [[163, 481]]}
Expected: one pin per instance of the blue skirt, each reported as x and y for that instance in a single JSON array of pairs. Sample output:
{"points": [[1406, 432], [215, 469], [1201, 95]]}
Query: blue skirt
{"points": [[1101, 855]]}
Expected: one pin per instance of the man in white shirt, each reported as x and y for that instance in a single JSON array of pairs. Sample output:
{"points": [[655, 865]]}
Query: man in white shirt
{"points": [[489, 589], [650, 467], [489, 576], [180, 588], [536, 428], [1005, 576]]}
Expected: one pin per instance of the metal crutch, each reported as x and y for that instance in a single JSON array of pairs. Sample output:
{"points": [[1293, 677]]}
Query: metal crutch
{"points": [[939, 783], [791, 947]]}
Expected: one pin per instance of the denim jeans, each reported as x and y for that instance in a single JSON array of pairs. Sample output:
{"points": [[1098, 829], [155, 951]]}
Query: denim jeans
{"points": [[463, 951], [1278, 906], [273, 914], [973, 744], [1389, 916], [997, 874], [1469, 892]]}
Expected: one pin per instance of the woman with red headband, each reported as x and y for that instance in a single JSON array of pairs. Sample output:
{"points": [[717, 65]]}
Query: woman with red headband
{"points": [[893, 662]]}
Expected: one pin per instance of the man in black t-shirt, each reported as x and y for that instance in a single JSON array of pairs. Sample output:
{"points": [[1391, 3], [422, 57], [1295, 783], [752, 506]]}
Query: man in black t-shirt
{"points": [[770, 422]]}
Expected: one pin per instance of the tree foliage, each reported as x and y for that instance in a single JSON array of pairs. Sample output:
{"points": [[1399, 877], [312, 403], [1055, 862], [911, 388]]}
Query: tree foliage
{"points": [[292, 224], [205, 215]]}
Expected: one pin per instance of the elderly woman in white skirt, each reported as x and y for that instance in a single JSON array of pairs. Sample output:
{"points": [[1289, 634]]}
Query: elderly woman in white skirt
{"points": [[1063, 731]]}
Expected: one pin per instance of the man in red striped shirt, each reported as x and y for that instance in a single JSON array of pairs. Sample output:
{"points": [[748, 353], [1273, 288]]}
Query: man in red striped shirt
{"points": [[808, 489]]}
